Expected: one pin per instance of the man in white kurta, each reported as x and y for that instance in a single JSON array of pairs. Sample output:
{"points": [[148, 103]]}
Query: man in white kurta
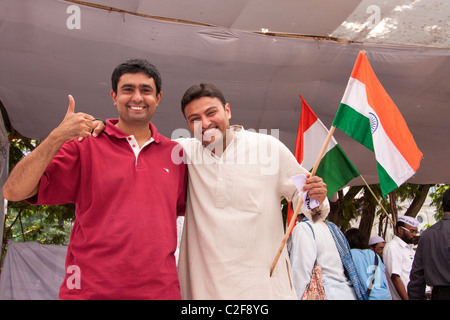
{"points": [[398, 256], [233, 223]]}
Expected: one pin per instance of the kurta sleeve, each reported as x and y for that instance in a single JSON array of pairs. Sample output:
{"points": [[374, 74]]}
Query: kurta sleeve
{"points": [[289, 167], [303, 255], [392, 258]]}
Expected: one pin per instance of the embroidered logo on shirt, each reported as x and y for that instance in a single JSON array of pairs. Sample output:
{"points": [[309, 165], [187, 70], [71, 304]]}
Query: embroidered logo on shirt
{"points": [[166, 170]]}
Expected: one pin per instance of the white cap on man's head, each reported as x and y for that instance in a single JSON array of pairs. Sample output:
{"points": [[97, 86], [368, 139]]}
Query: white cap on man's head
{"points": [[413, 222], [375, 240]]}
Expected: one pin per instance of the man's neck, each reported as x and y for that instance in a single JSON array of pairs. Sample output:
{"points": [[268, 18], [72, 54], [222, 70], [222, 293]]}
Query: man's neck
{"points": [[142, 133], [219, 148]]}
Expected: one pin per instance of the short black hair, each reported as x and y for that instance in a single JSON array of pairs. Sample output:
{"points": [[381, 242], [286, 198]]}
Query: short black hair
{"points": [[356, 239], [198, 91], [399, 224], [136, 66]]}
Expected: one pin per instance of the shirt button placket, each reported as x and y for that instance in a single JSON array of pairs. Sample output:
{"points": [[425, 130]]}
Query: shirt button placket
{"points": [[134, 146], [220, 186]]}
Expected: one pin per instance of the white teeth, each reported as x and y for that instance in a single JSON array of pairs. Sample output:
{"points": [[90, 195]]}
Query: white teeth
{"points": [[210, 131], [137, 108]]}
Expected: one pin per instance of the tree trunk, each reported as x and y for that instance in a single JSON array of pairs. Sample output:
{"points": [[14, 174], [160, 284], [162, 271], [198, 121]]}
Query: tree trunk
{"points": [[336, 208], [393, 206], [418, 201], [342, 210], [368, 214]]}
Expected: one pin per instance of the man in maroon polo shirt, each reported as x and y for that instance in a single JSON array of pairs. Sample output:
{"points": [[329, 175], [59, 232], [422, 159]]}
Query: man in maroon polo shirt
{"points": [[126, 188]]}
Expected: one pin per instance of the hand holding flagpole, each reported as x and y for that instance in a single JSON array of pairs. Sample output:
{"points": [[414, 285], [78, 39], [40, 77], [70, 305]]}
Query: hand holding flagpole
{"points": [[297, 209]]}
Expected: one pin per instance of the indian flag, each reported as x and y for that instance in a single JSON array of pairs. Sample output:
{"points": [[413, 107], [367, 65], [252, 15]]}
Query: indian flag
{"points": [[368, 115], [334, 168]]}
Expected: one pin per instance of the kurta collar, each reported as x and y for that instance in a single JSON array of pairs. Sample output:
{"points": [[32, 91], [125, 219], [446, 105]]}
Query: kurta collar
{"points": [[237, 130], [402, 243]]}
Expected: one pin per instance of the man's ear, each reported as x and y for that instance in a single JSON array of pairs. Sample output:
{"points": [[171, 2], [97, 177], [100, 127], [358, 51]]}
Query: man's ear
{"points": [[114, 97], [228, 110], [158, 98]]}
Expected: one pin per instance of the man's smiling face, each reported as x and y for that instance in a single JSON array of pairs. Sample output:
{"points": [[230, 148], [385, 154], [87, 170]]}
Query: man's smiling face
{"points": [[209, 117], [136, 99]]}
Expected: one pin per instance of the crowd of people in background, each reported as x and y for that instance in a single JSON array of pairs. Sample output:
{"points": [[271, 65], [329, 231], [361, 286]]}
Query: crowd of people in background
{"points": [[396, 270]]}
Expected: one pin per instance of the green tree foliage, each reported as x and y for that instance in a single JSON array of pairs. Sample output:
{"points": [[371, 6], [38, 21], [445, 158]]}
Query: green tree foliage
{"points": [[367, 204], [25, 222], [437, 195], [42, 224]]}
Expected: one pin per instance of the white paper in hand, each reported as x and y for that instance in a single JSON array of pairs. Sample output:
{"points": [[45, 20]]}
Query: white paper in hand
{"points": [[299, 181]]}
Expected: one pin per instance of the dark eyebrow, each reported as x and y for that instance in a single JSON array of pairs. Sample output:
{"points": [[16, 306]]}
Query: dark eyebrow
{"points": [[206, 111], [192, 115], [130, 85]]}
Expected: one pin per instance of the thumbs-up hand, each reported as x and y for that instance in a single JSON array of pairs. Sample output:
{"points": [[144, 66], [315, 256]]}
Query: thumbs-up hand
{"points": [[71, 108], [75, 125]]}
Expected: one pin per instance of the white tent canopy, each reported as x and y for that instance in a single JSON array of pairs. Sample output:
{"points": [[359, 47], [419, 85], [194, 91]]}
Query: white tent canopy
{"points": [[261, 53], [421, 22]]}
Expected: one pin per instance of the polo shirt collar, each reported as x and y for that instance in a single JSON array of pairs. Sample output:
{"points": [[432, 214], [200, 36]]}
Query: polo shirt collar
{"points": [[113, 131]]}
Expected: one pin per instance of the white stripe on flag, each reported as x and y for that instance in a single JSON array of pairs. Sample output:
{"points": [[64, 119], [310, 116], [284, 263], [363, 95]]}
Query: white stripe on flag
{"points": [[313, 139], [386, 153]]}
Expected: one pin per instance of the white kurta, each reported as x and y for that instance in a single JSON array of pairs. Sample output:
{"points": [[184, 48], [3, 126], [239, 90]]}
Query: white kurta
{"points": [[398, 257], [233, 223]]}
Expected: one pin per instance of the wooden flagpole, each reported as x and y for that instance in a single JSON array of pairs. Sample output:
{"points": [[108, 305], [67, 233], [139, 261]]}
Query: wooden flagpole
{"points": [[297, 209], [379, 202]]}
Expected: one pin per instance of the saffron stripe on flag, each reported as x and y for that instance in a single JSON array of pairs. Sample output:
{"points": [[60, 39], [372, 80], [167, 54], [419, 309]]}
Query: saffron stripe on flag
{"points": [[335, 168], [368, 115]]}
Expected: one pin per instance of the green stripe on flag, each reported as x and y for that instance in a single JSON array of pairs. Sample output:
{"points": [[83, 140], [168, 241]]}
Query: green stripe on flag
{"points": [[354, 124], [387, 185], [336, 170]]}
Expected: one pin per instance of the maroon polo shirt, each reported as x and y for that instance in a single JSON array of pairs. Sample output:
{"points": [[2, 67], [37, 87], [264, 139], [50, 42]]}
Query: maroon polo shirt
{"points": [[124, 236]]}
